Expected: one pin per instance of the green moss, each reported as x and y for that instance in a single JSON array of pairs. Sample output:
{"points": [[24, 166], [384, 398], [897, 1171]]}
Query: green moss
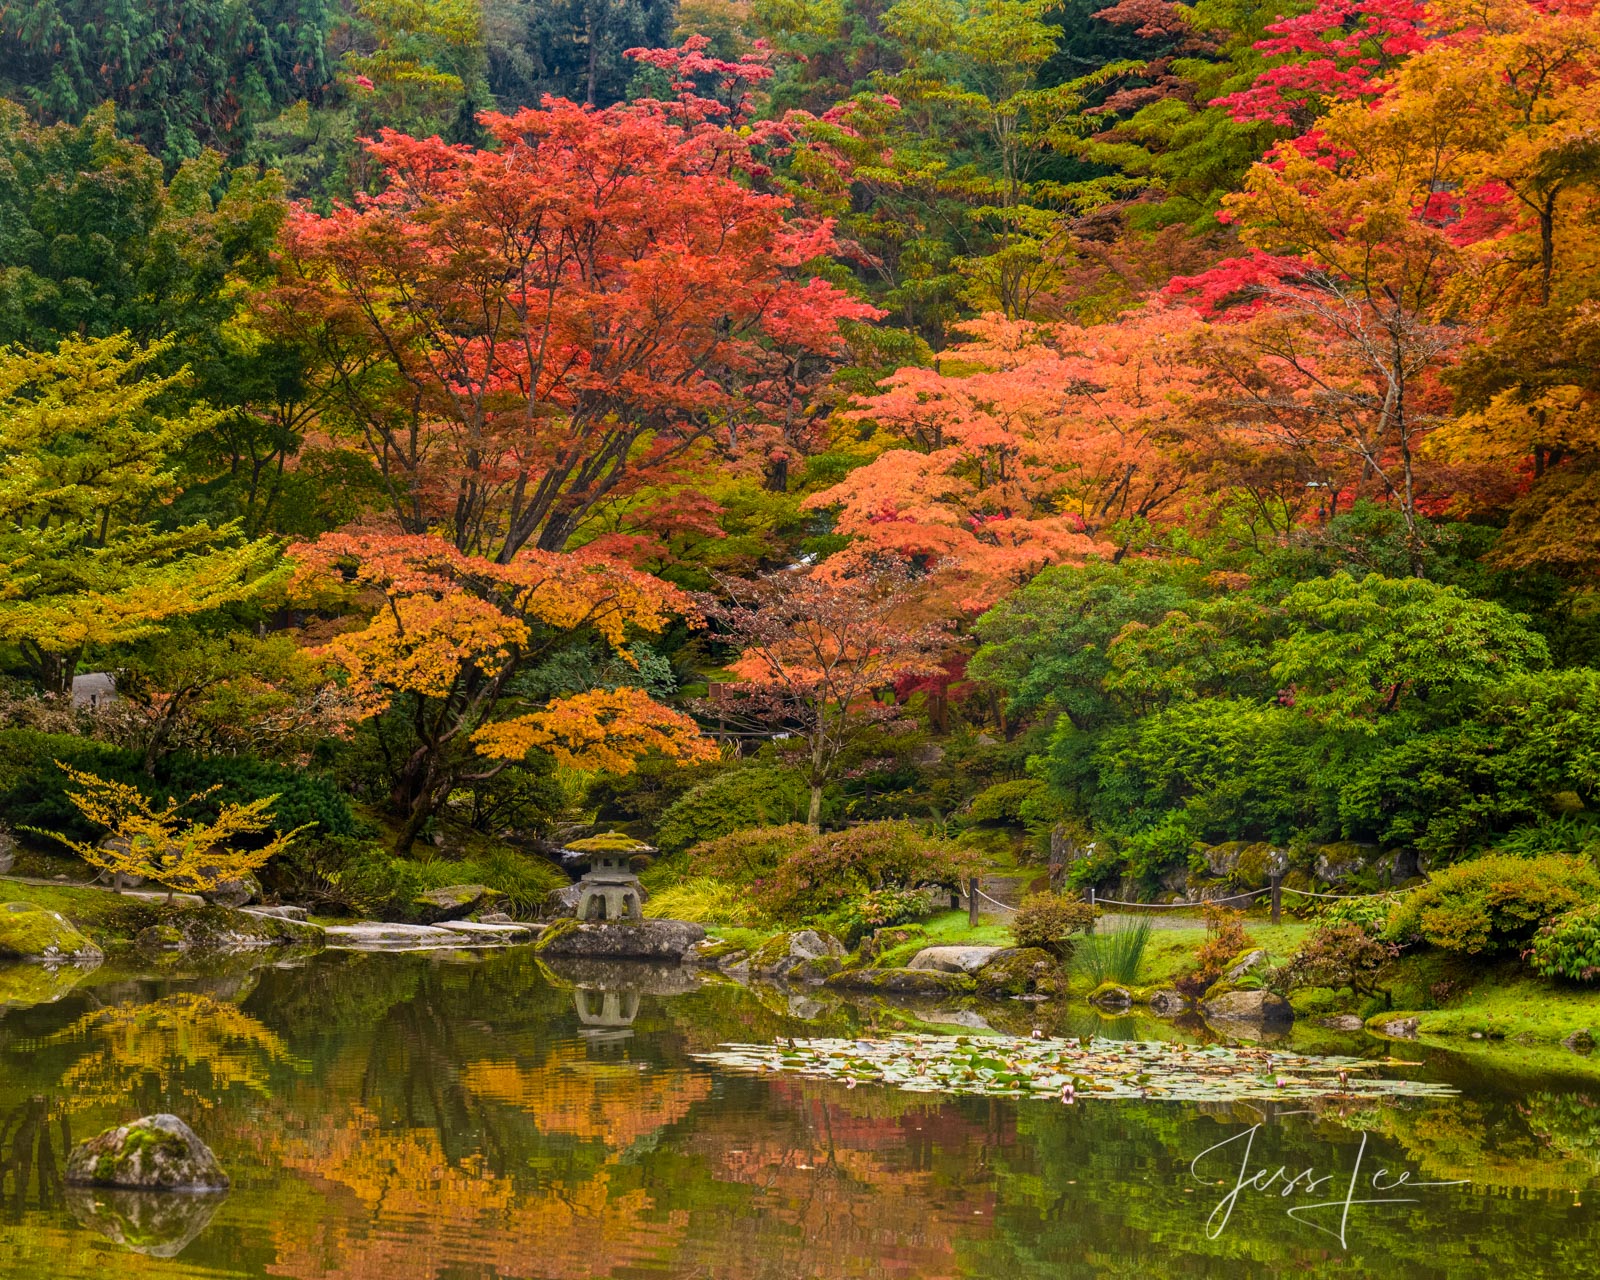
{"points": [[30, 930], [556, 929], [610, 842], [914, 982], [1017, 972]]}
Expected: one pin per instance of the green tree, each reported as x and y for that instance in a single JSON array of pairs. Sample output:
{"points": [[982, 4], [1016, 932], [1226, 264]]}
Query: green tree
{"points": [[1359, 650], [88, 441], [183, 75]]}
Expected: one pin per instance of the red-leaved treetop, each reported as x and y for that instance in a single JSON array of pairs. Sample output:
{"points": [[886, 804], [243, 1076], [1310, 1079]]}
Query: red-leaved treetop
{"points": [[1060, 442], [516, 335], [1339, 51]]}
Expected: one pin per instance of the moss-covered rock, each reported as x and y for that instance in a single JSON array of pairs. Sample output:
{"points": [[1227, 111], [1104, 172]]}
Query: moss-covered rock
{"points": [[620, 939], [153, 1153], [1112, 995], [1251, 1007], [29, 932], [1017, 971], [784, 955], [905, 982]]}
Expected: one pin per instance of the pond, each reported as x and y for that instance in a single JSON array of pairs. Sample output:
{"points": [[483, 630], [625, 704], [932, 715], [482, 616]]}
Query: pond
{"points": [[474, 1116]]}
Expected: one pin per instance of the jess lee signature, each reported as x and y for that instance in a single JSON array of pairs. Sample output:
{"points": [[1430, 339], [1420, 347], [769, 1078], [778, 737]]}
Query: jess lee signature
{"points": [[1331, 1215]]}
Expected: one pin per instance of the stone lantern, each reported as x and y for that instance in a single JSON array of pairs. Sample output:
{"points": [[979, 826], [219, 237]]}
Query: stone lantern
{"points": [[609, 890]]}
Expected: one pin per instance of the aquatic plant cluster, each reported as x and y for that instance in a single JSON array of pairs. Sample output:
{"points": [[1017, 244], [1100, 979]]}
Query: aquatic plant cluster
{"points": [[1071, 1069]]}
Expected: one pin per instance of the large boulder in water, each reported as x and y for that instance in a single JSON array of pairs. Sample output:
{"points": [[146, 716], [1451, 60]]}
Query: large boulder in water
{"points": [[29, 932], [154, 1153], [1247, 1008], [620, 939]]}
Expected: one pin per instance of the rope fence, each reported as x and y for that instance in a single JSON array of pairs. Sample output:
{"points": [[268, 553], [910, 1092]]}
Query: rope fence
{"points": [[1096, 900]]}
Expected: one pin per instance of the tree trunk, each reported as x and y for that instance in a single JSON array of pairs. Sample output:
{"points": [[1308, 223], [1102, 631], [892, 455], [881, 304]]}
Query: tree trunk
{"points": [[814, 819]]}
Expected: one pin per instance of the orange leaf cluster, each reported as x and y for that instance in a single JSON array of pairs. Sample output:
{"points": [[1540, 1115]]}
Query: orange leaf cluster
{"points": [[606, 729]]}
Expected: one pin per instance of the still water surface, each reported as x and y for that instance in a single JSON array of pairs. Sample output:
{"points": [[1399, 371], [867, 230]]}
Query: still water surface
{"points": [[432, 1117]]}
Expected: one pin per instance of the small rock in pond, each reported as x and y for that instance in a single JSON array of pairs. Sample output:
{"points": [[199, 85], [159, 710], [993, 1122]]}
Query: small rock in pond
{"points": [[1248, 1006], [154, 1153]]}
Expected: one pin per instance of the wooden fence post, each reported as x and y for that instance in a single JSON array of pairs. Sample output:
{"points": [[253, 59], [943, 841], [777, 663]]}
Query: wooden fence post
{"points": [[972, 902], [1277, 898]]}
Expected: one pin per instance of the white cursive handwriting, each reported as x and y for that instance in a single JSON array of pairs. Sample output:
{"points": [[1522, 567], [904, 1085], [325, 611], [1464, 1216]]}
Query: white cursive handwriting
{"points": [[1307, 1182]]}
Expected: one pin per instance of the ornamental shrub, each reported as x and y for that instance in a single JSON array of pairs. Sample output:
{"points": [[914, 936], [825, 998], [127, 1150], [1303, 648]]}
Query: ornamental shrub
{"points": [[1493, 903], [1046, 920], [732, 801], [1569, 946], [1343, 955], [794, 874]]}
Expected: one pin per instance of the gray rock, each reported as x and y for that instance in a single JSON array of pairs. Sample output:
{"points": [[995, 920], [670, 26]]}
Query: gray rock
{"points": [[154, 1153], [30, 932], [1580, 1041], [805, 954], [1257, 1007], [621, 939], [564, 901], [1398, 1028], [1336, 863], [496, 917], [234, 892], [1342, 1022], [1250, 960], [1111, 995], [1168, 1003], [278, 913], [453, 902], [8, 851], [492, 930], [369, 936], [1016, 971], [954, 959]]}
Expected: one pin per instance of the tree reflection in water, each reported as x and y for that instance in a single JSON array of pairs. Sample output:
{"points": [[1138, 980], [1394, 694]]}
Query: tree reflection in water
{"points": [[418, 1117]]}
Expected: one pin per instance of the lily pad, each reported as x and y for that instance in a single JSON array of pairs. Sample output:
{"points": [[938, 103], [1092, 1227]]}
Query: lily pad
{"points": [[1071, 1069]]}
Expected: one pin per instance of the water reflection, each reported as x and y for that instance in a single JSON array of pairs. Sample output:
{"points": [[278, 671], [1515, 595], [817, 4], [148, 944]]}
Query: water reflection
{"points": [[486, 1117]]}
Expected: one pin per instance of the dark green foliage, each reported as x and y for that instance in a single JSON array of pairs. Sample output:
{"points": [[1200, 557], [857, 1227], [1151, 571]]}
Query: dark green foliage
{"points": [[33, 788], [94, 241], [757, 796], [573, 48], [360, 877], [183, 74], [1493, 903], [1046, 645]]}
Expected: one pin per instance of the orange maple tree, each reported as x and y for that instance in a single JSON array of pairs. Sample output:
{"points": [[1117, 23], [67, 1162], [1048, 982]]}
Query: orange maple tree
{"points": [[450, 633], [1040, 445]]}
